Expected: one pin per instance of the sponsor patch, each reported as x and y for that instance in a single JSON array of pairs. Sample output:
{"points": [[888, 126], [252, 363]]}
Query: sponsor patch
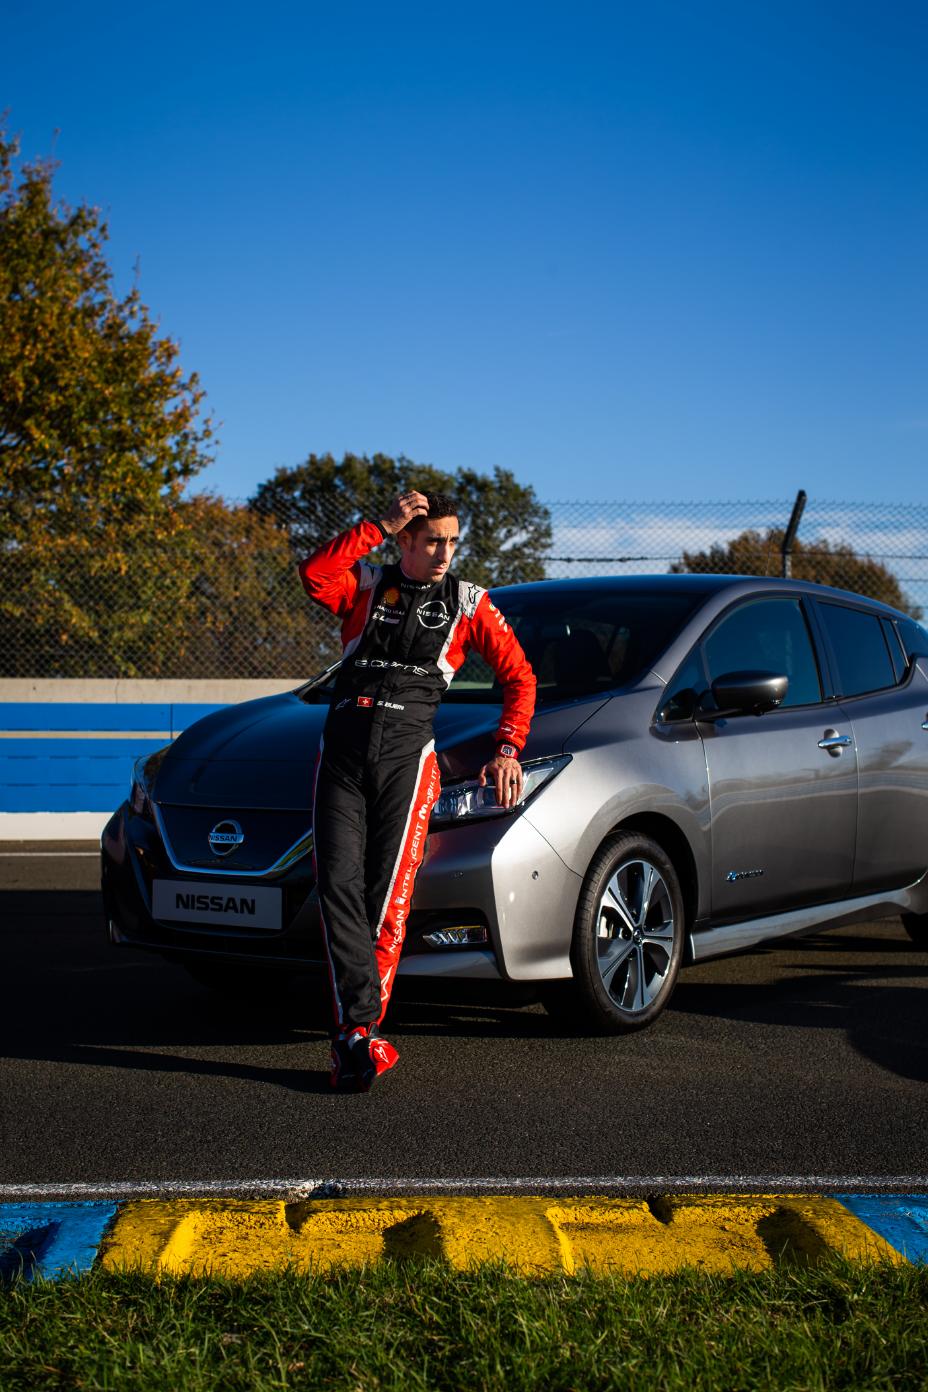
{"points": [[433, 614], [400, 666], [499, 618], [391, 596]]}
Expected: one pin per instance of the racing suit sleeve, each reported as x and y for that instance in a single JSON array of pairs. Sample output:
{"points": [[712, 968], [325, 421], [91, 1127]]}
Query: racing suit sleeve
{"points": [[496, 643], [331, 576]]}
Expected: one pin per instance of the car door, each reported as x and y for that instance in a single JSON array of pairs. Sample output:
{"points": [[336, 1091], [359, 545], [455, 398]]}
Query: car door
{"points": [[782, 785], [884, 697]]}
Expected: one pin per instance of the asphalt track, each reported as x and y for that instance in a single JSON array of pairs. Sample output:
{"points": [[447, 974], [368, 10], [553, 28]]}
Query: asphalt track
{"points": [[807, 1059]]}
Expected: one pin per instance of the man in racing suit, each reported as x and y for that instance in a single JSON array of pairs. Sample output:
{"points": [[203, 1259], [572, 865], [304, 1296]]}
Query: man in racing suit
{"points": [[406, 629]]}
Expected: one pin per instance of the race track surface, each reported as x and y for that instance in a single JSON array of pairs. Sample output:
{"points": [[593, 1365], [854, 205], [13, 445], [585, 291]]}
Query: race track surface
{"points": [[806, 1059]]}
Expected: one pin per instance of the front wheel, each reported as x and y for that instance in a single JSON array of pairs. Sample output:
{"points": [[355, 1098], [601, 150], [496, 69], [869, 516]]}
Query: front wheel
{"points": [[628, 935]]}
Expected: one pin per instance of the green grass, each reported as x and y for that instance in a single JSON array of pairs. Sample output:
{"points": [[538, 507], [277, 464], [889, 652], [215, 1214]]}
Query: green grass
{"points": [[422, 1326]]}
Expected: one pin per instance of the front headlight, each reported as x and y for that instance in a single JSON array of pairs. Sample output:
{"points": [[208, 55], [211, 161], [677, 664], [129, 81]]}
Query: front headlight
{"points": [[463, 802], [143, 771]]}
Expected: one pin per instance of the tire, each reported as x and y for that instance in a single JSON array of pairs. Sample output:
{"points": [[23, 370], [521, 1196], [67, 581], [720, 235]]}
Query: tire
{"points": [[916, 925], [628, 936]]}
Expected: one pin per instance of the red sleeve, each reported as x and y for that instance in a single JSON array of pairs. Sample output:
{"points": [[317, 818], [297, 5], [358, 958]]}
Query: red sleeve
{"points": [[331, 575], [496, 643]]}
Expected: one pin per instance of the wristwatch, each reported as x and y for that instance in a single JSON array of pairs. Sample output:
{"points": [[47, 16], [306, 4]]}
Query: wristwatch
{"points": [[508, 751]]}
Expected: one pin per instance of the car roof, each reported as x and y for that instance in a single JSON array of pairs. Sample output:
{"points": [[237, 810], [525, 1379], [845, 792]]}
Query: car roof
{"points": [[697, 585]]}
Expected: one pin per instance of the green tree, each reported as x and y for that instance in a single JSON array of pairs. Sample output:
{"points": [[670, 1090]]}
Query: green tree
{"points": [[825, 562], [99, 433], [505, 530]]}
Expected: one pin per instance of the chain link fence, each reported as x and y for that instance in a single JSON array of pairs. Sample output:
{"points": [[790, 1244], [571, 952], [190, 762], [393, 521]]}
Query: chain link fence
{"points": [[226, 601]]}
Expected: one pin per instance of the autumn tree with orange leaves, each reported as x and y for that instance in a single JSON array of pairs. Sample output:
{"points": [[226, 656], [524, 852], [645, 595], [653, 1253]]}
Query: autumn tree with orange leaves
{"points": [[99, 433]]}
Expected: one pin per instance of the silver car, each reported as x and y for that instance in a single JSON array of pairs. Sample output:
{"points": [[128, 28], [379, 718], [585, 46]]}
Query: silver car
{"points": [[715, 761]]}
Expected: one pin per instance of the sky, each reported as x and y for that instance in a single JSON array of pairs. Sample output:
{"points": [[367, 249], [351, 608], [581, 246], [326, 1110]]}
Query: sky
{"points": [[652, 251]]}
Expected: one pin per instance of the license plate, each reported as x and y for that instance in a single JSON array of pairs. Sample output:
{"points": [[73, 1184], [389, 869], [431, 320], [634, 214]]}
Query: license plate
{"points": [[222, 905]]}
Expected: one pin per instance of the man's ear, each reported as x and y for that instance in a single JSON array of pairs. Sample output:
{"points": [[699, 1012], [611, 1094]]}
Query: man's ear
{"points": [[403, 539]]}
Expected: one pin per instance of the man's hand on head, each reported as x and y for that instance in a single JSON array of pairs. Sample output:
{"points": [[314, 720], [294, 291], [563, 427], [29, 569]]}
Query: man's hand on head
{"points": [[506, 774], [402, 511]]}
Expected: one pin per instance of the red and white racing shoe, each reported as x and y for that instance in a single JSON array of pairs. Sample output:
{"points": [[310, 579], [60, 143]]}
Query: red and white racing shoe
{"points": [[359, 1057]]}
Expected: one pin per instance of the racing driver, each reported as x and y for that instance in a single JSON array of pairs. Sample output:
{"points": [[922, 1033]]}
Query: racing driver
{"points": [[406, 629]]}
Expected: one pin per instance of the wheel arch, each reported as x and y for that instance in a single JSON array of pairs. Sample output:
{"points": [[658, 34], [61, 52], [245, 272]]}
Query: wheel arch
{"points": [[673, 841]]}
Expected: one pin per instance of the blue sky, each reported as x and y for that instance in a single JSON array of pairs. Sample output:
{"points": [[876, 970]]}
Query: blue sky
{"points": [[661, 251]]}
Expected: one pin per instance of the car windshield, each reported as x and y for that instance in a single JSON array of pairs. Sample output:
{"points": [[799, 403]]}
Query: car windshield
{"points": [[579, 642]]}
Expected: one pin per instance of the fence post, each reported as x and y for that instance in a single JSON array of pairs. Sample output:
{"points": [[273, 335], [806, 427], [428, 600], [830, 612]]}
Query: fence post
{"points": [[789, 536]]}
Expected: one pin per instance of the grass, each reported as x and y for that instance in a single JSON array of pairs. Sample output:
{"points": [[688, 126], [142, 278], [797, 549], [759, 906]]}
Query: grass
{"points": [[420, 1326]]}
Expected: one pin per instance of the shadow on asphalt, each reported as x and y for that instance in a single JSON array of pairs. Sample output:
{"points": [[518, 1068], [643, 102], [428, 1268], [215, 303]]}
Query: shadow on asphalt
{"points": [[75, 999], [883, 1023]]}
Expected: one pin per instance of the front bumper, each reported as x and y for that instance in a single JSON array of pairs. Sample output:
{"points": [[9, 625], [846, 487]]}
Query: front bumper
{"points": [[499, 873]]}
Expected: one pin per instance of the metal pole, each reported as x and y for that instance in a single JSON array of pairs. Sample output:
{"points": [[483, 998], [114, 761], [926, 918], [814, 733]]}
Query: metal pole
{"points": [[786, 550]]}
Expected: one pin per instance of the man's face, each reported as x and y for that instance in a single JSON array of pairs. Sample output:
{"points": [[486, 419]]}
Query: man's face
{"points": [[427, 550]]}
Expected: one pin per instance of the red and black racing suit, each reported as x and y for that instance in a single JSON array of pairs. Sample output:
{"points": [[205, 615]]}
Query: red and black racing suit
{"points": [[377, 775]]}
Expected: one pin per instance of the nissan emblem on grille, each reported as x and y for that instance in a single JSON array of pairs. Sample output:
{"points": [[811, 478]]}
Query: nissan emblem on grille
{"points": [[225, 837]]}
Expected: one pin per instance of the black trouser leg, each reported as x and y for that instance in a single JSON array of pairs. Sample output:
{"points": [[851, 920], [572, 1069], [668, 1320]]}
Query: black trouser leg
{"points": [[339, 834]]}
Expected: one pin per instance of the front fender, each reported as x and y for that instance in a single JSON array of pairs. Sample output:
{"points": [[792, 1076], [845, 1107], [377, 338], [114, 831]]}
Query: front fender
{"points": [[623, 767]]}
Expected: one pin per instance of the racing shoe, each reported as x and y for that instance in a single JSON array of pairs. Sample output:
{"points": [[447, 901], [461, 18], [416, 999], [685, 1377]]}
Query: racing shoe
{"points": [[359, 1056], [382, 1052], [344, 1074]]}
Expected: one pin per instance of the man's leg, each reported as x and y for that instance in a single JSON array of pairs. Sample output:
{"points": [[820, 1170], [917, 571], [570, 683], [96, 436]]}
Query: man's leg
{"points": [[405, 790], [339, 825]]}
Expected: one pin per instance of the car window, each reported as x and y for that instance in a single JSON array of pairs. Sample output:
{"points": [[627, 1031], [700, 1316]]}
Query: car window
{"points": [[684, 691], [914, 638], [864, 662], [579, 642], [767, 635], [894, 643]]}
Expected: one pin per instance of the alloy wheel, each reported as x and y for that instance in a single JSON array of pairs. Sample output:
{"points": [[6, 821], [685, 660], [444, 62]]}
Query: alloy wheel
{"points": [[635, 932]]}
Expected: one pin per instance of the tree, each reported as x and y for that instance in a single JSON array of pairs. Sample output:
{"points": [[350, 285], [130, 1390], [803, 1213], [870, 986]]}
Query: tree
{"points": [[505, 530], [243, 612], [827, 563], [99, 434]]}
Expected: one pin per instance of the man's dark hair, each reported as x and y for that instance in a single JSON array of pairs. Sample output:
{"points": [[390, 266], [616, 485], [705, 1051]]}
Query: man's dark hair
{"points": [[440, 505]]}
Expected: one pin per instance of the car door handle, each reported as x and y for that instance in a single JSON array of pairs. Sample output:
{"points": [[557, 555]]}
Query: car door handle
{"points": [[834, 742]]}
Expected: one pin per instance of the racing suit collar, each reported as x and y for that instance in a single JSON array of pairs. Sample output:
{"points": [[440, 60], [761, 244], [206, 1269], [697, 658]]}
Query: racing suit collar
{"points": [[407, 582]]}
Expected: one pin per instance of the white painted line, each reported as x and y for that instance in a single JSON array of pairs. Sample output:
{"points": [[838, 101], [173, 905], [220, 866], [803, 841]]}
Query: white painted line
{"points": [[25, 828], [53, 855], [87, 734], [614, 1185]]}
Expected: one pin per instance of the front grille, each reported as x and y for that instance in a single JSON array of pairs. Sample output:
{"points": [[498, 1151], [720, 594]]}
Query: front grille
{"points": [[268, 837]]}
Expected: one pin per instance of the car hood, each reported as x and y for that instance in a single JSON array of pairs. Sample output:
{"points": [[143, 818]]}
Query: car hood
{"points": [[262, 753]]}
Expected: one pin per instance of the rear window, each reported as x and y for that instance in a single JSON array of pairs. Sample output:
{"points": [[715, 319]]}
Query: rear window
{"points": [[859, 644], [580, 642], [914, 638]]}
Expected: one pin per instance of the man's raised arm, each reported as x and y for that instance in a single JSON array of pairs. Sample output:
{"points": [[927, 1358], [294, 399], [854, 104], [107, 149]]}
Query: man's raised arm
{"points": [[331, 576], [499, 646]]}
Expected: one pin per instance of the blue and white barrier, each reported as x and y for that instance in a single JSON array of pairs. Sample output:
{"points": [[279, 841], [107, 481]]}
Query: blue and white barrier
{"points": [[67, 747]]}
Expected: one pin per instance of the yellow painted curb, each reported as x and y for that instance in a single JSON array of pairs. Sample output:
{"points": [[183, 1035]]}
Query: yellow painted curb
{"points": [[534, 1236]]}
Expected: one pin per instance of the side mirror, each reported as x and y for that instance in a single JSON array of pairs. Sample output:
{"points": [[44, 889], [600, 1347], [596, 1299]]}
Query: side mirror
{"points": [[745, 693]]}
